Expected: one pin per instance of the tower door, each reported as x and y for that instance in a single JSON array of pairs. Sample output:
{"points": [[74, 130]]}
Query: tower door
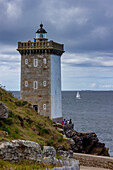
{"points": [[35, 107]]}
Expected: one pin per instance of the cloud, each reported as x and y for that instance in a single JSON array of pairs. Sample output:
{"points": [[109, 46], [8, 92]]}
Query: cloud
{"points": [[14, 9], [107, 86], [84, 27], [94, 59], [93, 85]]}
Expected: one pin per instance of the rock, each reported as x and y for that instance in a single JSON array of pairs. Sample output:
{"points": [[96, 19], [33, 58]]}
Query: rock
{"points": [[69, 140], [48, 151], [58, 125], [70, 133], [68, 127], [68, 161], [17, 150], [65, 154], [4, 133], [60, 130], [3, 111], [87, 143]]}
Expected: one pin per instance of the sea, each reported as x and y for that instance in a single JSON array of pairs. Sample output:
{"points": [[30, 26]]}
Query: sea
{"points": [[92, 113]]}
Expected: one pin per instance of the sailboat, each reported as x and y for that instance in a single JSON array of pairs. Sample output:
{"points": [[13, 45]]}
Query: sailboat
{"points": [[78, 95]]}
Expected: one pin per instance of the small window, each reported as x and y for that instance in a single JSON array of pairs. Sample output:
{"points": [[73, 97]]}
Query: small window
{"points": [[44, 83], [35, 84], [44, 106], [26, 61], [44, 61], [35, 62], [26, 83]]}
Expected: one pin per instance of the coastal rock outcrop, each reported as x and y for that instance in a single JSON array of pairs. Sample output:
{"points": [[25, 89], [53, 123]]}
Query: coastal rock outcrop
{"points": [[17, 150], [3, 111], [87, 143]]}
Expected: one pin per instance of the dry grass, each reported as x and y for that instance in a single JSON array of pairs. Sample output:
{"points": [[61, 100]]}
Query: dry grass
{"points": [[24, 123]]}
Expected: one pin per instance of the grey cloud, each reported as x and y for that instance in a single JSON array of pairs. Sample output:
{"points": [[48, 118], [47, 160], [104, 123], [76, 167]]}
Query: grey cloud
{"points": [[73, 23], [85, 27], [94, 59]]}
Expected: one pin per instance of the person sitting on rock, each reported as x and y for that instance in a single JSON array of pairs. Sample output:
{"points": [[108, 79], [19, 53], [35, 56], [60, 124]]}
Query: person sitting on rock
{"points": [[62, 122], [70, 121]]}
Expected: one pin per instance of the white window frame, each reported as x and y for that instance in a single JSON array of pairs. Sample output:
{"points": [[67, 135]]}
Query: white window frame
{"points": [[44, 83], [26, 83], [44, 106], [35, 84], [26, 61], [35, 62], [44, 60]]}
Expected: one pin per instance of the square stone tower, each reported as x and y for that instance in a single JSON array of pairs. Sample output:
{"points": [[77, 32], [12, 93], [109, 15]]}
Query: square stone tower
{"points": [[41, 74]]}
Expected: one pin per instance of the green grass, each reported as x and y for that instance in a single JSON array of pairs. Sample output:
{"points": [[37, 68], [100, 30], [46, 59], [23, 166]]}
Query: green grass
{"points": [[23, 165], [24, 123]]}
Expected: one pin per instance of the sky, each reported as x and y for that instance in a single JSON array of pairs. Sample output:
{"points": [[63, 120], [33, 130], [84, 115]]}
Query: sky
{"points": [[85, 27]]}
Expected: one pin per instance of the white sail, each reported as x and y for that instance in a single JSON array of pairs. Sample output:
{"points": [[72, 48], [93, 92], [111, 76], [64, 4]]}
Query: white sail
{"points": [[78, 95]]}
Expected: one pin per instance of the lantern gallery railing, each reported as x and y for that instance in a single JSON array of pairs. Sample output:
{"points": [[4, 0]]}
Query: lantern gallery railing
{"points": [[40, 45]]}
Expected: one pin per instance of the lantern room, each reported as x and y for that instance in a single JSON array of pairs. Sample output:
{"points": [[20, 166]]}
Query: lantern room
{"points": [[41, 33]]}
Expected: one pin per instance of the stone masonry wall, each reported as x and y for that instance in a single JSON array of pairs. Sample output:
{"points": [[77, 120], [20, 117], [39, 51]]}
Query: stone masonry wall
{"points": [[17, 150], [94, 161], [41, 73]]}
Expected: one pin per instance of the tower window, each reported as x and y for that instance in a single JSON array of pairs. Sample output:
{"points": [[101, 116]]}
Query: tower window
{"points": [[44, 61], [26, 83], [26, 61], [35, 85], [35, 62], [44, 83], [44, 106]]}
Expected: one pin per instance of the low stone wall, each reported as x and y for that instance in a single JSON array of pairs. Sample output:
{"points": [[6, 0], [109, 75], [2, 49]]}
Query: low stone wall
{"points": [[17, 150], [94, 161]]}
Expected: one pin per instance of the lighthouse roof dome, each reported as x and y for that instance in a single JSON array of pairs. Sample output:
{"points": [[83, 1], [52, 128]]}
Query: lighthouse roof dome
{"points": [[41, 30]]}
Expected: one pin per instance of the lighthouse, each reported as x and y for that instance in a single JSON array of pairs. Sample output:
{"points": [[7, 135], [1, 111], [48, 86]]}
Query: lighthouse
{"points": [[41, 74]]}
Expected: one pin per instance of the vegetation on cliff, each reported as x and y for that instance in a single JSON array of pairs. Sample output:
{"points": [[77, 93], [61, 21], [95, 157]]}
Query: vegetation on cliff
{"points": [[24, 123]]}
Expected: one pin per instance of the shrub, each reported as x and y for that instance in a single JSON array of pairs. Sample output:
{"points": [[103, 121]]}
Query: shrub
{"points": [[39, 126], [58, 156], [15, 136], [45, 131], [50, 142], [16, 130], [41, 143], [8, 121], [6, 128], [21, 103], [11, 114], [60, 139]]}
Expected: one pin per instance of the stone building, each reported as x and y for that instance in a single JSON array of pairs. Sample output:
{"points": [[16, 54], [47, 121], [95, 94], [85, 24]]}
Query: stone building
{"points": [[41, 74]]}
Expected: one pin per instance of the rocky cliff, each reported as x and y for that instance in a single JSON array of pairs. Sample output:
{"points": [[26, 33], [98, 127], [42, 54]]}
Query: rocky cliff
{"points": [[87, 143]]}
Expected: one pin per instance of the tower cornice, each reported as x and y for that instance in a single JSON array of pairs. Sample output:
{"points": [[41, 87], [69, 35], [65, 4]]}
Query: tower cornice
{"points": [[40, 47]]}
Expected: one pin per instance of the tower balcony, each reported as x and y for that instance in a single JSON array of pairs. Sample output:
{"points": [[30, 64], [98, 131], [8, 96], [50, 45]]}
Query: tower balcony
{"points": [[41, 45]]}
